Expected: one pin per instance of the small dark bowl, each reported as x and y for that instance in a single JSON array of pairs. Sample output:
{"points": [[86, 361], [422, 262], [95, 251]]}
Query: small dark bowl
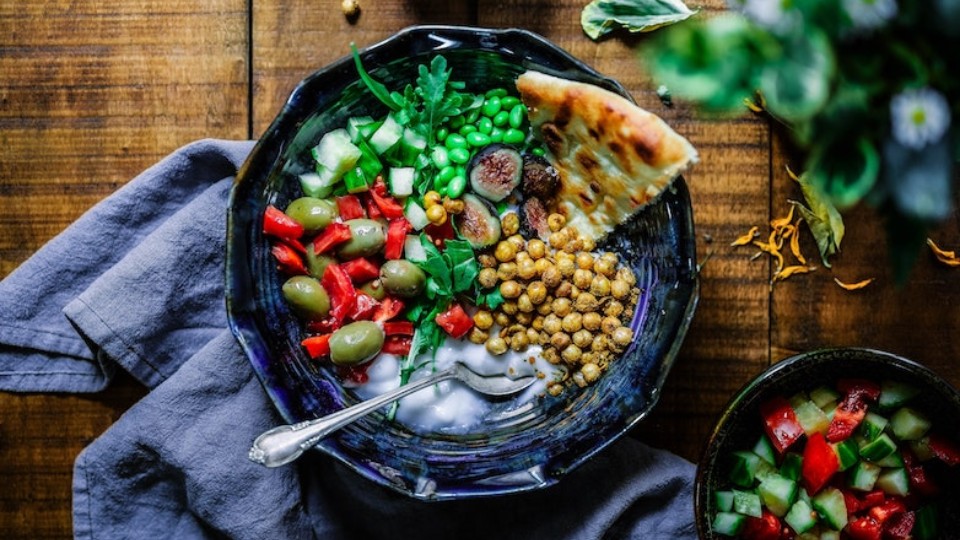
{"points": [[740, 423], [530, 450]]}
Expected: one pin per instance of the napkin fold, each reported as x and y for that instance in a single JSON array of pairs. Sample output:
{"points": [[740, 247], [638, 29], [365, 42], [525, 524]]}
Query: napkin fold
{"points": [[137, 284]]}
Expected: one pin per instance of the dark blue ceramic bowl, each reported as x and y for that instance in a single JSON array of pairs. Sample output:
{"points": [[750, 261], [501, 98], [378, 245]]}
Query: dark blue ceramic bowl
{"points": [[559, 433], [740, 423]]}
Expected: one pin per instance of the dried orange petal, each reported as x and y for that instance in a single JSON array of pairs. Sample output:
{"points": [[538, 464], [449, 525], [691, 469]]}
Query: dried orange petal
{"points": [[780, 223], [791, 270], [948, 258], [795, 245], [747, 238], [772, 250], [853, 286]]}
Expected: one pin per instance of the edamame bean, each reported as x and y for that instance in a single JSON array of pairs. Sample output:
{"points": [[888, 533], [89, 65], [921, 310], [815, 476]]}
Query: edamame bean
{"points": [[501, 118], [478, 139], [460, 155], [496, 92], [440, 157], [467, 129], [440, 183], [447, 173], [454, 141], [517, 115], [442, 134], [472, 116], [538, 151], [456, 186], [457, 122], [513, 136], [496, 135], [484, 125], [509, 102], [491, 106]]}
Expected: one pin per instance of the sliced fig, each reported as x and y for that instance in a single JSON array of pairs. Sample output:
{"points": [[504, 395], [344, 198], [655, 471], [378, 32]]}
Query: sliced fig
{"points": [[533, 218], [495, 171], [478, 224], [540, 179]]}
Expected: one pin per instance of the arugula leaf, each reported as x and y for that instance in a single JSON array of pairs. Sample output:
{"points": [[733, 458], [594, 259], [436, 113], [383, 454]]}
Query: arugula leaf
{"points": [[492, 298], [463, 265], [603, 16], [436, 267], [378, 89]]}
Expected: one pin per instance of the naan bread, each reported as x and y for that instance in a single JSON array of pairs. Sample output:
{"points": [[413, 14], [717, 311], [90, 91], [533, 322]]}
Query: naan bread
{"points": [[612, 156]]}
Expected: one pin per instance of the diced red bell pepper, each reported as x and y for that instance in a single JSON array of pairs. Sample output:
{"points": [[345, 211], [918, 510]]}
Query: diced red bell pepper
{"points": [[398, 328], [327, 325], [280, 225], [454, 321], [920, 481], [848, 415], [317, 346], [766, 527], [864, 528], [364, 308], [389, 308], [859, 387], [396, 236], [288, 261], [373, 211], [851, 501], [944, 449], [820, 462], [889, 508], [388, 206], [333, 235], [398, 345], [343, 296], [872, 499], [295, 244], [780, 423], [354, 375], [900, 526], [361, 270], [440, 233], [349, 207]]}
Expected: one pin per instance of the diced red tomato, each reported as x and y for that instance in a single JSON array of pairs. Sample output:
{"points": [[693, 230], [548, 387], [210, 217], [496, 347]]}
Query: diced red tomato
{"points": [[317, 346], [859, 387], [349, 207], [333, 235], [872, 499], [354, 374], [889, 508], [361, 269], [440, 233], [324, 326], [900, 526], [766, 527], [280, 225], [399, 345], [389, 308], [848, 415], [288, 261], [454, 321], [398, 328], [364, 308], [396, 235], [780, 423], [820, 462], [388, 206], [343, 296], [864, 528], [851, 501], [944, 449], [920, 481]]}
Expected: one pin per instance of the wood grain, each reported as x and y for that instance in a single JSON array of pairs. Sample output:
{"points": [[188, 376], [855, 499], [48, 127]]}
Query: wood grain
{"points": [[91, 93]]}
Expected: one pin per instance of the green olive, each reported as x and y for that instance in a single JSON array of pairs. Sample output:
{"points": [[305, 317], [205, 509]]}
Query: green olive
{"points": [[356, 343], [314, 214], [373, 288], [402, 278], [316, 264], [366, 239], [306, 297]]}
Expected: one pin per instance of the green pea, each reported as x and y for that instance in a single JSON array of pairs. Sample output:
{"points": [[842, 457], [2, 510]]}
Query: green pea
{"points": [[513, 136], [440, 183], [501, 118], [460, 155], [455, 141], [442, 134], [484, 125], [442, 191], [467, 129], [456, 186], [538, 151], [491, 106], [440, 157], [457, 122], [496, 135], [478, 139], [472, 116], [447, 172], [509, 102], [496, 92], [517, 115], [356, 343]]}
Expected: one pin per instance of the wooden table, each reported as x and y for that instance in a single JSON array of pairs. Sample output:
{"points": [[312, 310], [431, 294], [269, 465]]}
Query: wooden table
{"points": [[93, 92]]}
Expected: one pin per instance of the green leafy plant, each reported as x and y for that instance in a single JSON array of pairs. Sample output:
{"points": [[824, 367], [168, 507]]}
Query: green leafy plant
{"points": [[867, 89]]}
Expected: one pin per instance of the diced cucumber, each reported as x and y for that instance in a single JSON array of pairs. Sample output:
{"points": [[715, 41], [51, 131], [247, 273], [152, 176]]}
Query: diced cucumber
{"points": [[764, 449], [847, 453], [926, 527], [354, 124], [829, 409], [356, 180], [777, 493], [831, 507], [723, 500], [369, 160], [812, 534], [386, 136], [908, 424], [791, 466], [872, 426], [812, 419], [413, 249], [798, 399], [335, 154], [802, 495], [894, 482], [864, 476], [747, 503], [893, 460], [822, 395], [315, 186], [412, 144], [400, 181], [921, 448], [764, 470], [744, 468], [801, 517], [829, 535], [728, 523], [895, 394], [878, 448], [415, 214]]}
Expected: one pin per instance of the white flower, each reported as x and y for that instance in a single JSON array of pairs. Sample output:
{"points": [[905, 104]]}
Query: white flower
{"points": [[919, 117], [778, 15], [870, 14]]}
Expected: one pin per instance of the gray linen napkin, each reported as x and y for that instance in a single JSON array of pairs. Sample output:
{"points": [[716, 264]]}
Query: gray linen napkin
{"points": [[137, 283]]}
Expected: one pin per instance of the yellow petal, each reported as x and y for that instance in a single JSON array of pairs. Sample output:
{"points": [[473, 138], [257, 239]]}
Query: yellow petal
{"points": [[795, 245], [791, 270], [747, 238], [948, 258], [752, 106], [780, 223], [772, 250], [853, 286]]}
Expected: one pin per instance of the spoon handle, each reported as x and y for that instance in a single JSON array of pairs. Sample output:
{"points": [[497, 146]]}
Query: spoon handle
{"points": [[283, 444]]}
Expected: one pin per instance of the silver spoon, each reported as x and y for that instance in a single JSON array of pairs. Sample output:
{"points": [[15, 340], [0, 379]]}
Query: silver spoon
{"points": [[283, 444]]}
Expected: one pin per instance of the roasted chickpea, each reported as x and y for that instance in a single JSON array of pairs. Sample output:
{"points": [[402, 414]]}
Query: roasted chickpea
{"points": [[483, 319], [542, 265], [436, 214], [510, 224], [551, 324], [526, 268], [510, 289], [546, 308], [533, 337], [589, 244], [571, 354], [454, 206], [603, 267], [431, 198], [509, 307], [478, 336], [582, 338], [501, 318], [558, 239], [613, 309], [518, 242], [537, 322], [600, 344], [507, 271], [560, 340], [562, 307], [524, 318], [600, 286], [523, 256], [550, 276], [505, 251], [566, 267], [496, 346], [574, 292], [487, 278], [536, 248], [619, 289], [518, 341], [572, 322], [563, 290], [556, 222], [573, 245], [591, 321], [571, 232], [582, 278], [487, 260], [609, 325], [585, 260], [622, 336], [626, 274], [524, 304], [537, 292], [591, 372], [555, 389], [611, 257], [579, 379], [586, 303]]}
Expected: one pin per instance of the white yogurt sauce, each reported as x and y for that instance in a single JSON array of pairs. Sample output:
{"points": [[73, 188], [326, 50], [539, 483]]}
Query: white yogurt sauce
{"points": [[450, 406]]}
